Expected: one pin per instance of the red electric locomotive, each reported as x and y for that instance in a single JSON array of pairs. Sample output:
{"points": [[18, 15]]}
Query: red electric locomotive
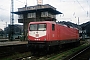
{"points": [[49, 33]]}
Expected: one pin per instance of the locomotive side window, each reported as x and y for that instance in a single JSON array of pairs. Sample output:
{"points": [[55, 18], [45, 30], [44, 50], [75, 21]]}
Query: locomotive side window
{"points": [[53, 27], [37, 27]]}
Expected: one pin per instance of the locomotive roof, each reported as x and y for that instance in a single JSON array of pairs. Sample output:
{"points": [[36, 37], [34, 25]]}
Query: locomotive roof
{"points": [[52, 22], [44, 22], [68, 24]]}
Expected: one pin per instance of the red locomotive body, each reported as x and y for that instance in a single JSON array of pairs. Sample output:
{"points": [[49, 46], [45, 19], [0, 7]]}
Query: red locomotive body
{"points": [[49, 33]]}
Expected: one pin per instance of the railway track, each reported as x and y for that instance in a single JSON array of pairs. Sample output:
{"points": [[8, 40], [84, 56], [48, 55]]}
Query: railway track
{"points": [[12, 49], [82, 51], [64, 54], [53, 55], [46, 55], [82, 55]]}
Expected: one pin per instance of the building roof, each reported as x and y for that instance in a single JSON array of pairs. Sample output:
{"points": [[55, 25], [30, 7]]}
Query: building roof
{"points": [[39, 8]]}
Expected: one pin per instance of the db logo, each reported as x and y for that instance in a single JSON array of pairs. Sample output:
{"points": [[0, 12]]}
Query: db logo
{"points": [[37, 35]]}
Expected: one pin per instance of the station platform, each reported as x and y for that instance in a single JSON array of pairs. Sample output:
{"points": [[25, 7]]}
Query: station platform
{"points": [[7, 43]]}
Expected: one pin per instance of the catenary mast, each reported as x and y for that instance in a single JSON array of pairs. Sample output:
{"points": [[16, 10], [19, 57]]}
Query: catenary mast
{"points": [[12, 21]]}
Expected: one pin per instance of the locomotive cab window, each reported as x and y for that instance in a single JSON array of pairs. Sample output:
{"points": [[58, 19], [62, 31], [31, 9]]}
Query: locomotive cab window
{"points": [[37, 27], [33, 27], [53, 27], [42, 27]]}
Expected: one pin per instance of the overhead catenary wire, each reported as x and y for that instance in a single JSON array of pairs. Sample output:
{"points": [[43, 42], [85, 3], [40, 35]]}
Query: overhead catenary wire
{"points": [[81, 5], [3, 8], [88, 11], [21, 2]]}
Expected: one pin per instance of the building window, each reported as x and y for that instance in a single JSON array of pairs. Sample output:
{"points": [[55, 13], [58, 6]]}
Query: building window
{"points": [[53, 27], [44, 14], [31, 15], [20, 16], [51, 15]]}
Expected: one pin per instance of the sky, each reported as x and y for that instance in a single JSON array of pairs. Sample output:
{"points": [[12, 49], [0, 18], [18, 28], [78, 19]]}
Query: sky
{"points": [[71, 9]]}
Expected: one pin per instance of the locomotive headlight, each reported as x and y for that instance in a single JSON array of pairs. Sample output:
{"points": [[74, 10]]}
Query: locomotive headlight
{"points": [[35, 39]]}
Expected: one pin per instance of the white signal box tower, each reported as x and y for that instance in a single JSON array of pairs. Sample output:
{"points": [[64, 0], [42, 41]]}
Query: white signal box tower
{"points": [[39, 2]]}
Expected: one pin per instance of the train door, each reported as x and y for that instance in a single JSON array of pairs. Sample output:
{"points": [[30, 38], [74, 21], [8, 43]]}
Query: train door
{"points": [[53, 32]]}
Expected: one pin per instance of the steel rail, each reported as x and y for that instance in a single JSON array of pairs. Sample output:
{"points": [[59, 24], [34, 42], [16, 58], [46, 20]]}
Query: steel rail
{"points": [[79, 53]]}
